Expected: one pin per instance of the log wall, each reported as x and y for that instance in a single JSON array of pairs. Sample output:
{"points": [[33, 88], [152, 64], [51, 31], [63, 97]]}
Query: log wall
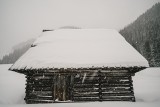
{"points": [[39, 88], [104, 86], [99, 85]]}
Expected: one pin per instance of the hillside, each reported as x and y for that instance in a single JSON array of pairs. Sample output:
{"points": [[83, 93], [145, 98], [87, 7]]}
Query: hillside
{"points": [[144, 34], [17, 52]]}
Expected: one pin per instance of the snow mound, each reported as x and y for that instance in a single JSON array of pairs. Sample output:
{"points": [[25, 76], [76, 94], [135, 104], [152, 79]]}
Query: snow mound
{"points": [[76, 48], [147, 86]]}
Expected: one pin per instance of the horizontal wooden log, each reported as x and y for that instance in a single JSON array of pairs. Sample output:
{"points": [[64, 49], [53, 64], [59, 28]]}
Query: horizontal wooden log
{"points": [[85, 86], [103, 77], [86, 94], [86, 81], [114, 71], [117, 94], [116, 89], [86, 98], [39, 88], [39, 97], [45, 73], [102, 81], [105, 74], [40, 79], [86, 78], [39, 84], [40, 93], [118, 98], [85, 90], [45, 80], [102, 85], [34, 101], [116, 82], [32, 91], [115, 85]]}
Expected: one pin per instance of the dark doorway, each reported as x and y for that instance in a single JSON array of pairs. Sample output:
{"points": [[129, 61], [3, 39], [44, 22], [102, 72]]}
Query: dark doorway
{"points": [[61, 87]]}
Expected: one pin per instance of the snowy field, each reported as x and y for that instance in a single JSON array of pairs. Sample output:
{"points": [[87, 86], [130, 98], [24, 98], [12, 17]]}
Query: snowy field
{"points": [[146, 86]]}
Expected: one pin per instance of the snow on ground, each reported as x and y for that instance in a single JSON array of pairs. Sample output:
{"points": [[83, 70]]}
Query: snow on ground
{"points": [[146, 87], [12, 86]]}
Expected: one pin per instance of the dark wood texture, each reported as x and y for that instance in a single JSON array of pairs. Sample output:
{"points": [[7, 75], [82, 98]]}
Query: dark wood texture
{"points": [[98, 85]]}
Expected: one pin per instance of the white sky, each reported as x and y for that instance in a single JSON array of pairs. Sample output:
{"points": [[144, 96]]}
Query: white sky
{"points": [[21, 20]]}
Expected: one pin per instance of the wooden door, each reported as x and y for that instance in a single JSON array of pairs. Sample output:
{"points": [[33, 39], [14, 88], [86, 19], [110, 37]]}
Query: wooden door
{"points": [[61, 87]]}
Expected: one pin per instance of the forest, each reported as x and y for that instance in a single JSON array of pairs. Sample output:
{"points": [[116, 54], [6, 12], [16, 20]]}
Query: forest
{"points": [[144, 35]]}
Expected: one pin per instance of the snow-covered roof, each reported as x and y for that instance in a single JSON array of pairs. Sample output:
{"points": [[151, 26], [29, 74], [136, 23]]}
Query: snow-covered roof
{"points": [[78, 48]]}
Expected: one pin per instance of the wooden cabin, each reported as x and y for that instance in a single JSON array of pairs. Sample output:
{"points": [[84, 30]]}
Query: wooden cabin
{"points": [[79, 65]]}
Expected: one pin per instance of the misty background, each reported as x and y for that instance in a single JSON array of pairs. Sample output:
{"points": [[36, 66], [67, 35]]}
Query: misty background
{"points": [[23, 20]]}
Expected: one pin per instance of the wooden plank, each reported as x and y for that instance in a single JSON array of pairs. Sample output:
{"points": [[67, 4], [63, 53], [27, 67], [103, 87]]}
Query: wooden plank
{"points": [[115, 82], [86, 81], [85, 86], [31, 91], [46, 74], [117, 94], [85, 94], [105, 76], [86, 78], [118, 98], [85, 90], [86, 98], [45, 80], [35, 101], [40, 97], [116, 75], [114, 71], [116, 89], [39, 88], [115, 85], [40, 93], [39, 82]]}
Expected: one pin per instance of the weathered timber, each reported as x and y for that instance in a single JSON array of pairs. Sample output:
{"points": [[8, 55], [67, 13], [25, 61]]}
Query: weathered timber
{"points": [[39, 88], [82, 94], [84, 85], [118, 99], [35, 101], [40, 93], [86, 98], [40, 97], [118, 94], [86, 89]]}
